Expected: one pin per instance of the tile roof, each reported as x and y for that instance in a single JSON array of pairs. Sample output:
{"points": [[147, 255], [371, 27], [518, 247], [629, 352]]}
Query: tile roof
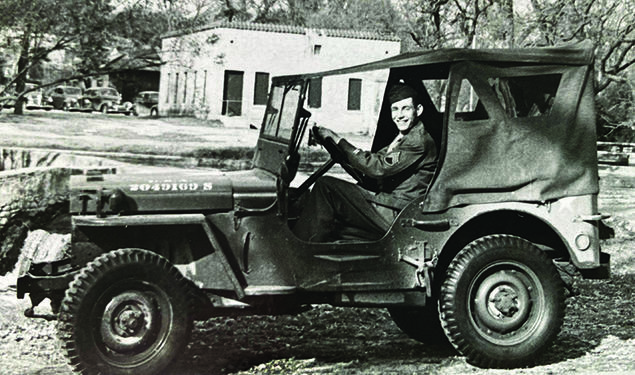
{"points": [[288, 29]]}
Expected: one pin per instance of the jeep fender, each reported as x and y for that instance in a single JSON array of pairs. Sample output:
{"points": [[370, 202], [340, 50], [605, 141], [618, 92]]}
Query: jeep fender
{"points": [[203, 271], [569, 224]]}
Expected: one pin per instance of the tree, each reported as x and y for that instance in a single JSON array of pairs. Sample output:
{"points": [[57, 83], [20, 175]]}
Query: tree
{"points": [[88, 32], [610, 24], [41, 27]]}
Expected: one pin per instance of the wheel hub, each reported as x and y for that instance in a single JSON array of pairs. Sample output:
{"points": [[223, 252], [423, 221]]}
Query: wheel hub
{"points": [[128, 322], [502, 302]]}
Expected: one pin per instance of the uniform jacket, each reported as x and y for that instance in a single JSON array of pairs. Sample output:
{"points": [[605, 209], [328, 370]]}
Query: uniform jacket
{"points": [[401, 171]]}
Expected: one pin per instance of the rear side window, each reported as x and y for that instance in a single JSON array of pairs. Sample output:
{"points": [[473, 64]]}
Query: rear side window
{"points": [[469, 106], [526, 96]]}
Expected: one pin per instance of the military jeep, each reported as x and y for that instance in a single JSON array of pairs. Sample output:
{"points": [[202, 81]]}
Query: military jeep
{"points": [[474, 261]]}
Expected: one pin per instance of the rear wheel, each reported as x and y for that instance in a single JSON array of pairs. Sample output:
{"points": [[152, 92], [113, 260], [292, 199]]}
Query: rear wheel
{"points": [[502, 302], [154, 112], [126, 312], [103, 109]]}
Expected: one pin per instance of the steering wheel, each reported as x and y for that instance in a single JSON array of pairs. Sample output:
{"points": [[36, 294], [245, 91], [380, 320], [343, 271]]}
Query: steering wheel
{"points": [[337, 155]]}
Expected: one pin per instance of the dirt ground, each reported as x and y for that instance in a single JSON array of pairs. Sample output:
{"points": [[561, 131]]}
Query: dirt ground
{"points": [[598, 336]]}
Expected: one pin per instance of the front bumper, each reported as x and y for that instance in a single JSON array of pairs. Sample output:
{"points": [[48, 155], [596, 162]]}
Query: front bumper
{"points": [[45, 279]]}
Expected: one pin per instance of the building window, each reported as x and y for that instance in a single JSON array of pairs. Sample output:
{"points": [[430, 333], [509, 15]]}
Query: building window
{"points": [[317, 49], [194, 88], [233, 93], [176, 88], [261, 88], [184, 87], [315, 93], [205, 87], [354, 94], [167, 92]]}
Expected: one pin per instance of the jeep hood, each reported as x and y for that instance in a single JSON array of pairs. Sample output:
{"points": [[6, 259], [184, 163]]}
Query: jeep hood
{"points": [[180, 191]]}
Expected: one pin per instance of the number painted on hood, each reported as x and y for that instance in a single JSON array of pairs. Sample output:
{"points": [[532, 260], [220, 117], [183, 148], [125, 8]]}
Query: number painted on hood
{"points": [[171, 186]]}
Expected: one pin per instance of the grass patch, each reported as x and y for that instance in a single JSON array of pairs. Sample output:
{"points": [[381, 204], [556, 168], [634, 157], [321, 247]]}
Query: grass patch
{"points": [[229, 153]]}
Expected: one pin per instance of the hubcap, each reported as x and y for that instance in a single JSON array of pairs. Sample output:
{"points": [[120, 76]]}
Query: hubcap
{"points": [[506, 302], [128, 322]]}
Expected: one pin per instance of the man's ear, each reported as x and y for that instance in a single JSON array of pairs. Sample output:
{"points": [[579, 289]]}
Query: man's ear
{"points": [[419, 109]]}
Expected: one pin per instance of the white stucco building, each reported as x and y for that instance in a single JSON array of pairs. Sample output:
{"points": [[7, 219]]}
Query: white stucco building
{"points": [[223, 71]]}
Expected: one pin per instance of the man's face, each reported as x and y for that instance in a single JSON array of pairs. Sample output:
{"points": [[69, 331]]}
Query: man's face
{"points": [[404, 113]]}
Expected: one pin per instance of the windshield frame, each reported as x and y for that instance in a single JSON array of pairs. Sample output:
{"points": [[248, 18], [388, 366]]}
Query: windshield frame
{"points": [[285, 101]]}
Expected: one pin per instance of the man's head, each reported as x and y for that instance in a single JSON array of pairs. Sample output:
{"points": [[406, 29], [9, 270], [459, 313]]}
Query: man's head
{"points": [[405, 106]]}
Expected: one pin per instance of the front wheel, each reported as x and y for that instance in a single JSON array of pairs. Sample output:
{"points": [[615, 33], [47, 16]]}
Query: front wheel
{"points": [[126, 312], [502, 302]]}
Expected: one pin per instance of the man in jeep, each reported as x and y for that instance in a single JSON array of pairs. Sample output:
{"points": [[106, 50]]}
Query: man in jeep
{"points": [[392, 177]]}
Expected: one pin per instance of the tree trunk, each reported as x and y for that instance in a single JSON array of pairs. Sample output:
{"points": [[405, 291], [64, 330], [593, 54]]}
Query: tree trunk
{"points": [[507, 12], [23, 63]]}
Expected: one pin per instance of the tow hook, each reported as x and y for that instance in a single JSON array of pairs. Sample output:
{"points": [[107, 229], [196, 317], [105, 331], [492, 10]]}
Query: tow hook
{"points": [[422, 274]]}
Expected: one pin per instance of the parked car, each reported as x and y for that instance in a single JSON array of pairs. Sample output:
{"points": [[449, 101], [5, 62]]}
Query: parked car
{"points": [[146, 102], [475, 260], [104, 100], [63, 97], [33, 98], [615, 153], [7, 101]]}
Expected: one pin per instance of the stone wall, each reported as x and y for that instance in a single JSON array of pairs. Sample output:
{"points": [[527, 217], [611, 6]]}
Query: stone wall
{"points": [[31, 189], [29, 199], [34, 192]]}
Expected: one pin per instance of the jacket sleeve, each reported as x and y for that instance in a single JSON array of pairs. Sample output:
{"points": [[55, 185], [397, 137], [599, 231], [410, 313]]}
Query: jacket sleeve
{"points": [[382, 163]]}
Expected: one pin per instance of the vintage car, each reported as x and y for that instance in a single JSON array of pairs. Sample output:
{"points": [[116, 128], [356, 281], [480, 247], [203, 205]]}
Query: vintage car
{"points": [[475, 260], [32, 97], [146, 103], [105, 100], [615, 153], [63, 97]]}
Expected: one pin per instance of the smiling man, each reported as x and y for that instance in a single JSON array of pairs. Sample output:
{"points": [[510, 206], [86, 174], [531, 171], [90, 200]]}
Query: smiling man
{"points": [[400, 172]]}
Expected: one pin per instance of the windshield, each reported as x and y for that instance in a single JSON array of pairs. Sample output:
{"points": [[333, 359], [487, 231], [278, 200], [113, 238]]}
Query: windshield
{"points": [[281, 111]]}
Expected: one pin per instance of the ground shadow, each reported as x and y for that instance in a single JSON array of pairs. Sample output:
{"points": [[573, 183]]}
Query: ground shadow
{"points": [[329, 335], [600, 309]]}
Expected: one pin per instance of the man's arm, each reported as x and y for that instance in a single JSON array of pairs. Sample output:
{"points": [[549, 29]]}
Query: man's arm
{"points": [[384, 163]]}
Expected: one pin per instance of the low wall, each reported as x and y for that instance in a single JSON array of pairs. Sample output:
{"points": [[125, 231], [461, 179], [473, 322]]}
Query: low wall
{"points": [[34, 192], [31, 189]]}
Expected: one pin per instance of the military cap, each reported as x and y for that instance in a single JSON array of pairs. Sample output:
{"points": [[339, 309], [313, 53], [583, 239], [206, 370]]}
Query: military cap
{"points": [[400, 91]]}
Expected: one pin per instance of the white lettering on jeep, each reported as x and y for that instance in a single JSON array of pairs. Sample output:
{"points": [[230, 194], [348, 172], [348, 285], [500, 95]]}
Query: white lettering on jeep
{"points": [[171, 186]]}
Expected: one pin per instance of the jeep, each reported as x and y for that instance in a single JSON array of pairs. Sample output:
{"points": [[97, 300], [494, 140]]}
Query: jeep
{"points": [[475, 261]]}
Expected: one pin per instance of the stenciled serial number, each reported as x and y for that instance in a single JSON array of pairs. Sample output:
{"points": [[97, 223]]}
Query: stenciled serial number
{"points": [[183, 186]]}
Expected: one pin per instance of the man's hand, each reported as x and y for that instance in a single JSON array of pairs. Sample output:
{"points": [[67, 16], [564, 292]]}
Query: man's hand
{"points": [[323, 133]]}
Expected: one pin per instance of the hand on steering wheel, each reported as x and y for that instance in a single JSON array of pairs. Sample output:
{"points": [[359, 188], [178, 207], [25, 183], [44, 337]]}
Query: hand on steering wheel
{"points": [[329, 139]]}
